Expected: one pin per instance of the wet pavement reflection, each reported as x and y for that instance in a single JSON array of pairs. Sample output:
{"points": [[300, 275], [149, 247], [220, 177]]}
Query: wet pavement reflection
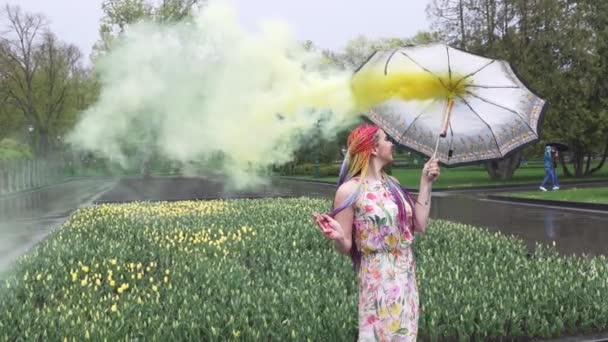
{"points": [[181, 188], [574, 231], [28, 217]]}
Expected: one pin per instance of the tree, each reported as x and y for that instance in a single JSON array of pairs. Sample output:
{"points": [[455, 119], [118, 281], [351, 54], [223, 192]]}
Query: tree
{"points": [[598, 21], [10, 120], [18, 61], [118, 16], [559, 47], [449, 17], [38, 76], [359, 49], [58, 63]]}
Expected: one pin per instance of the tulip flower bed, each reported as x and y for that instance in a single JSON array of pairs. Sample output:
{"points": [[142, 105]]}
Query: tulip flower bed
{"points": [[259, 270]]}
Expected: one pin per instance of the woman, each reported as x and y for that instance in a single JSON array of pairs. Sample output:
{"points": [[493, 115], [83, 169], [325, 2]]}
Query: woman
{"points": [[374, 220]]}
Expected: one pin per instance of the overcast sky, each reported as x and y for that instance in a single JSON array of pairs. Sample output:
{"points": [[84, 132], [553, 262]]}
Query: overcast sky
{"points": [[328, 23]]}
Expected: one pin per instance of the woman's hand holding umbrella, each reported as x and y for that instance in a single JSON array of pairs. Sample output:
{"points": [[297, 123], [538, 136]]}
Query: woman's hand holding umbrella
{"points": [[431, 171]]}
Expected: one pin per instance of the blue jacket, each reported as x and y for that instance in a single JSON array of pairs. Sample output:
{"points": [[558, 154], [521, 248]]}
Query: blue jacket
{"points": [[548, 160]]}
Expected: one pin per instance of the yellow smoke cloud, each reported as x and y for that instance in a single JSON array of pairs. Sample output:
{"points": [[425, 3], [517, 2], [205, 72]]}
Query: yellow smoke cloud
{"points": [[204, 87], [371, 87]]}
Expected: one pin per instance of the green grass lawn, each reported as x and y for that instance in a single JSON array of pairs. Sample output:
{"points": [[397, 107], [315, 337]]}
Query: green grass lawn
{"points": [[590, 195], [475, 176]]}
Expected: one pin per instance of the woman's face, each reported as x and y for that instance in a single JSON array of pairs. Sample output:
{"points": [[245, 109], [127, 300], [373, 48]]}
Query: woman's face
{"points": [[384, 148]]}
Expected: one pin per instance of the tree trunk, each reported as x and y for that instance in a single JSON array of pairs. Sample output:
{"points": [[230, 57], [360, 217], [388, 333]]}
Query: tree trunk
{"points": [[565, 168], [588, 164], [462, 31], [43, 144], [146, 170], [146, 163], [503, 169], [577, 160], [524, 24], [602, 161], [490, 22]]}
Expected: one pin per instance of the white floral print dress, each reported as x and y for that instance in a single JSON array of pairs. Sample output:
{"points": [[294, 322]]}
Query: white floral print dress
{"points": [[388, 294]]}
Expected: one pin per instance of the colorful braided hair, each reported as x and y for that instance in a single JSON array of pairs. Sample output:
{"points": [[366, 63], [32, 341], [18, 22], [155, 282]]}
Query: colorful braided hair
{"points": [[360, 144]]}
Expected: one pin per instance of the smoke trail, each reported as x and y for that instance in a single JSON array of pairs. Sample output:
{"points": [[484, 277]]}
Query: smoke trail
{"points": [[371, 87], [204, 87]]}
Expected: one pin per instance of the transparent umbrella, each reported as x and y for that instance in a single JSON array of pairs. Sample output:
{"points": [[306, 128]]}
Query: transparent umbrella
{"points": [[444, 102]]}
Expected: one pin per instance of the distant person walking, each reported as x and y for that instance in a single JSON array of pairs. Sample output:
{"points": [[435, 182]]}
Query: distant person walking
{"points": [[550, 164]]}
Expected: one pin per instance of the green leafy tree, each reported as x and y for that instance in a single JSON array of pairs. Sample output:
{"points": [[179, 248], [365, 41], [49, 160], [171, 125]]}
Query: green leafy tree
{"points": [[118, 16], [37, 76], [359, 49], [559, 47]]}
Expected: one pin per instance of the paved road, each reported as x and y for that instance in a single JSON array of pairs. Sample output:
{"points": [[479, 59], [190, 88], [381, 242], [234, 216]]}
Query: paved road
{"points": [[27, 218]]}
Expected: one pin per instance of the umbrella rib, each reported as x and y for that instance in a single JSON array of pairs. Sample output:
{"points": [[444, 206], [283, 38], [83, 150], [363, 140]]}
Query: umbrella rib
{"points": [[480, 69], [491, 87], [447, 51], [367, 60], [423, 68], [474, 72], [388, 60], [416, 119], [505, 108], [482, 120], [451, 140]]}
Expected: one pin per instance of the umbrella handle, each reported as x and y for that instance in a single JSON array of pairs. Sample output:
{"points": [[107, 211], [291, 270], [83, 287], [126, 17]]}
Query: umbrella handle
{"points": [[436, 146], [446, 118], [444, 126]]}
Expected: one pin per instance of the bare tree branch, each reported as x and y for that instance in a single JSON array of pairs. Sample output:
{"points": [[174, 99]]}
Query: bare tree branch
{"points": [[37, 71], [18, 42]]}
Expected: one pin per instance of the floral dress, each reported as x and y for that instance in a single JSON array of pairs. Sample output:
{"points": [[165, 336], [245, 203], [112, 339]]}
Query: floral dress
{"points": [[388, 294]]}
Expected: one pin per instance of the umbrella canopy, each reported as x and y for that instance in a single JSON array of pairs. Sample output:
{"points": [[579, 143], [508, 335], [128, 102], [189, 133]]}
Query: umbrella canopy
{"points": [[418, 94], [558, 145]]}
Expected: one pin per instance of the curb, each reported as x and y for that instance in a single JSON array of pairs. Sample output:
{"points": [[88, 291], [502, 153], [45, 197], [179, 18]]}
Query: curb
{"points": [[553, 203], [597, 337], [45, 187], [525, 185], [95, 198], [307, 180], [470, 188]]}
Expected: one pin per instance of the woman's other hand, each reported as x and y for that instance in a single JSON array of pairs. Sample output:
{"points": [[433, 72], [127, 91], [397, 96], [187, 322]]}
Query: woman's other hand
{"points": [[330, 227]]}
